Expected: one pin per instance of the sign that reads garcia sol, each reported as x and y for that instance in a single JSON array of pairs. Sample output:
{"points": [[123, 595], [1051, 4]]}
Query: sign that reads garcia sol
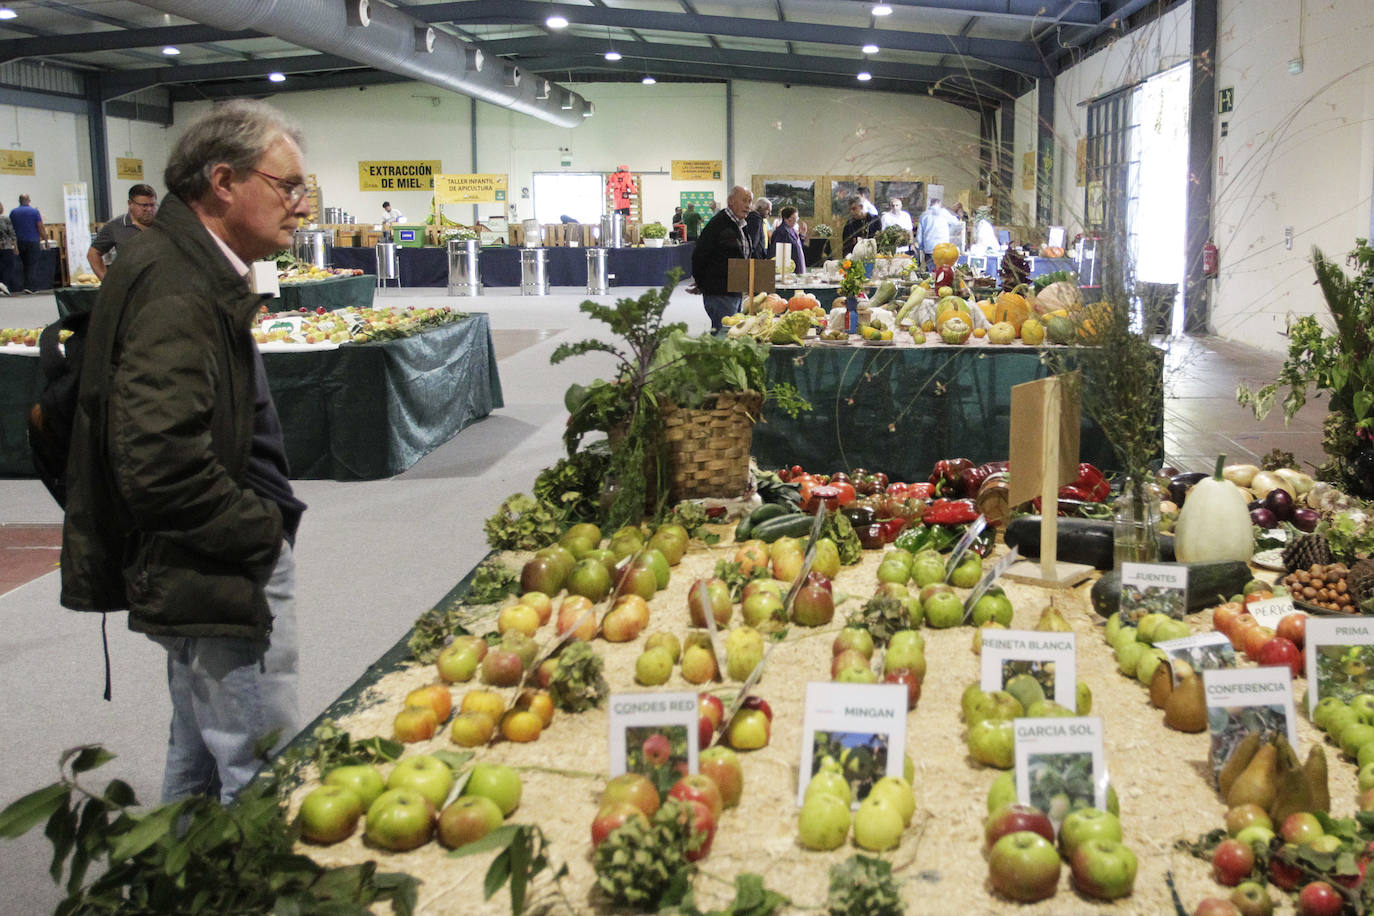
{"points": [[417, 175], [470, 189], [697, 169], [16, 162]]}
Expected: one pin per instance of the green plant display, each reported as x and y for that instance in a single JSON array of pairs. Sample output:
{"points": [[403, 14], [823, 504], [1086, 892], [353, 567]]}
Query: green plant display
{"points": [[654, 231]]}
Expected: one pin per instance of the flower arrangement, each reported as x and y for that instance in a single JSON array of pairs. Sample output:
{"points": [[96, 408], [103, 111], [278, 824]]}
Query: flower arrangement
{"points": [[654, 231], [852, 283], [459, 234], [822, 231]]}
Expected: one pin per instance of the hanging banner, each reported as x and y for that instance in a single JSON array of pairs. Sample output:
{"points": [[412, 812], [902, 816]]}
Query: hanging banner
{"points": [[76, 206], [128, 169], [470, 189], [16, 162], [404, 175], [697, 169], [1028, 171]]}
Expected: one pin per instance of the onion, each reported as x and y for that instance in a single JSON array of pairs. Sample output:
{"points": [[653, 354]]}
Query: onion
{"points": [[1264, 518], [1305, 519]]}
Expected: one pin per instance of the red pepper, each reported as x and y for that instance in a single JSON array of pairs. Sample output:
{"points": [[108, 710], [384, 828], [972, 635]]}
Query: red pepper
{"points": [[947, 476], [891, 528], [1091, 481], [910, 490], [832, 495], [950, 512], [1077, 492]]}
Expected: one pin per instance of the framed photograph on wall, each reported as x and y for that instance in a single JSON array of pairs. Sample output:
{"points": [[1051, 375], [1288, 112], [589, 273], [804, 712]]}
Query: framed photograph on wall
{"points": [[842, 190], [791, 192], [912, 193]]}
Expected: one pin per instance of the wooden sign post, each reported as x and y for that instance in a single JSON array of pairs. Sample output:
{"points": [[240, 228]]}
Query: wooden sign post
{"points": [[1045, 419]]}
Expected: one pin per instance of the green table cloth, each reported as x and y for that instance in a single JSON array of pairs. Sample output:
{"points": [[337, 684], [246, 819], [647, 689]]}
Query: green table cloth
{"points": [[330, 295], [901, 409], [357, 412]]}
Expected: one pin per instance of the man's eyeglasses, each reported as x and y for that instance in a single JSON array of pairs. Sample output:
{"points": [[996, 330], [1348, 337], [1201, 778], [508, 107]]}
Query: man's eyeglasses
{"points": [[293, 191], [143, 206]]}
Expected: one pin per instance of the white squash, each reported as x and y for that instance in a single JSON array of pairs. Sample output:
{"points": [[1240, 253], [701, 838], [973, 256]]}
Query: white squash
{"points": [[1214, 523]]}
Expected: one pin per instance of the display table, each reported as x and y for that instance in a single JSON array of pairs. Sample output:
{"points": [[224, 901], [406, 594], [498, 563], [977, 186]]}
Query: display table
{"points": [[901, 409], [330, 295], [501, 266], [45, 272], [355, 412]]}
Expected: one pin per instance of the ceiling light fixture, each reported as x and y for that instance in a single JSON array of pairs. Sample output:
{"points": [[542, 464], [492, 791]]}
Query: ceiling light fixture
{"points": [[882, 9], [556, 22], [613, 54], [864, 76], [277, 77], [7, 13], [870, 49], [648, 80], [169, 50]]}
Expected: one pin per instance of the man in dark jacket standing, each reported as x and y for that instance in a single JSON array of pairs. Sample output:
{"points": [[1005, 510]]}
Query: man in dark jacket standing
{"points": [[756, 228], [179, 505], [721, 239]]}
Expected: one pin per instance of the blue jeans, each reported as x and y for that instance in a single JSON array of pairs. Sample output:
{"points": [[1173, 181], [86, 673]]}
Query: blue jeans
{"points": [[227, 693], [717, 307]]}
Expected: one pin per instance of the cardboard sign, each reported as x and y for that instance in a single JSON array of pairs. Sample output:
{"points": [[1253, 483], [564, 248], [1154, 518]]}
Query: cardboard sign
{"points": [[16, 162], [1060, 765], [1271, 610], [399, 175], [1340, 658], [750, 275], [636, 718], [1203, 652], [862, 726], [1246, 700], [1148, 588], [1047, 657], [128, 169], [1032, 405], [697, 169]]}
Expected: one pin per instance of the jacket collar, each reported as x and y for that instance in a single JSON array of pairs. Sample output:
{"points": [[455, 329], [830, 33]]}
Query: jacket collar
{"points": [[185, 231]]}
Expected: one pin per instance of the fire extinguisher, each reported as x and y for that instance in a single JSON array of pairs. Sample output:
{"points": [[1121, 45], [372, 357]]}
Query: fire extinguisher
{"points": [[1209, 260]]}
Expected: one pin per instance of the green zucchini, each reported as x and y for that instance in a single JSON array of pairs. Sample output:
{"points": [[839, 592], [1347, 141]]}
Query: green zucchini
{"points": [[1209, 584], [761, 514], [794, 525], [1080, 540]]}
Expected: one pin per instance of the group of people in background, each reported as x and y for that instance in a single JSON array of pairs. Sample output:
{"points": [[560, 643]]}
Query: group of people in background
{"points": [[936, 225], [21, 240]]}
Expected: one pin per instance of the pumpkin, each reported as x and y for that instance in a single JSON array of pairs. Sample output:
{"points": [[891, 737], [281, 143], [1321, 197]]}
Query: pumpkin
{"points": [[955, 331], [949, 313], [1214, 523], [1093, 318], [945, 254], [1032, 332], [800, 302], [1011, 308], [775, 303], [1049, 251], [1060, 295], [986, 307], [1001, 333], [1060, 330]]}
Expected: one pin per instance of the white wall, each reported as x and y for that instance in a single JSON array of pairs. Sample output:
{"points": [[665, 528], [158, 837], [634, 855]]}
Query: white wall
{"points": [[60, 154], [126, 138], [1025, 137], [1299, 152]]}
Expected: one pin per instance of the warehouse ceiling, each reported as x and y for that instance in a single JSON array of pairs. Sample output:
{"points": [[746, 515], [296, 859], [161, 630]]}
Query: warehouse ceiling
{"points": [[975, 53]]}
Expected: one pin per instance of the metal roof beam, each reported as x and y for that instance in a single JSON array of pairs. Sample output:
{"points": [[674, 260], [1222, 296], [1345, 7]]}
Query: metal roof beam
{"points": [[1057, 43], [116, 40], [1021, 57], [122, 82], [1068, 12], [197, 92]]}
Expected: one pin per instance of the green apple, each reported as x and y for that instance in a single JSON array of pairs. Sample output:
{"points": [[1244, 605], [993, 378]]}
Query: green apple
{"points": [[497, 782], [1087, 824], [993, 742], [1355, 736], [968, 572], [898, 791], [1113, 625], [823, 822], [1147, 663], [653, 667], [469, 818], [827, 559], [1172, 629], [1128, 657], [994, 605], [1084, 699], [400, 819], [970, 700], [894, 571], [329, 814], [1024, 866], [943, 610], [1002, 792], [1325, 706], [829, 780], [1103, 869], [996, 704], [878, 824], [363, 779], [928, 568], [426, 774]]}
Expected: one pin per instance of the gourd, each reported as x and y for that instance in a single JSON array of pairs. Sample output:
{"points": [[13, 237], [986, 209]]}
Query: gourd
{"points": [[944, 254], [1214, 523], [1032, 332], [775, 304], [955, 330], [801, 302], [1060, 330], [1001, 333], [1060, 295], [887, 291], [1012, 308]]}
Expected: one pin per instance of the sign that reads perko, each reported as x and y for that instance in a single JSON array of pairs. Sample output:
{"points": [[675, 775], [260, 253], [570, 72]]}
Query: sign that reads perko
{"points": [[16, 162], [470, 189], [697, 169], [416, 175]]}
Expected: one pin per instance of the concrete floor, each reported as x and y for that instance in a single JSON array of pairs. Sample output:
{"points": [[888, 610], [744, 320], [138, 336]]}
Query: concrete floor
{"points": [[371, 556]]}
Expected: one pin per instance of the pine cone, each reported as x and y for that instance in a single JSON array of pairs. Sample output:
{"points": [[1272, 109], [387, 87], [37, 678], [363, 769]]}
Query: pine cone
{"points": [[1360, 582], [1307, 551]]}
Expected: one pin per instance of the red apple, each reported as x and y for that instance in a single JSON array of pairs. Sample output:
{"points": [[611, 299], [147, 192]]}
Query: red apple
{"points": [[635, 788], [703, 825], [1301, 828], [1015, 818], [754, 701], [611, 816], [814, 605], [502, 668], [1024, 866], [1320, 899], [544, 575], [706, 730], [1232, 862], [712, 707], [908, 678], [1281, 651], [723, 766], [699, 787], [468, 819], [1285, 876], [713, 594], [1293, 627]]}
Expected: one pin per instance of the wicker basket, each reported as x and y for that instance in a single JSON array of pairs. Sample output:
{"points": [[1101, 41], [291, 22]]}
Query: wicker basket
{"points": [[708, 448]]}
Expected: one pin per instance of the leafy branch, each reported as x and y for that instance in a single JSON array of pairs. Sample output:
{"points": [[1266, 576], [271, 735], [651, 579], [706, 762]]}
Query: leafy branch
{"points": [[524, 855]]}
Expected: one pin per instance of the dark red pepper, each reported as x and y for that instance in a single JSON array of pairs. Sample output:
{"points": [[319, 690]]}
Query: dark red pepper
{"points": [[950, 512], [1078, 493], [891, 528], [870, 536], [911, 490], [1092, 482], [947, 473]]}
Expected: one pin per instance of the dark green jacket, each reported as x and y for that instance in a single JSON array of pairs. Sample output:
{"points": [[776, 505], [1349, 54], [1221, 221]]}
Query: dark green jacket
{"points": [[159, 520]]}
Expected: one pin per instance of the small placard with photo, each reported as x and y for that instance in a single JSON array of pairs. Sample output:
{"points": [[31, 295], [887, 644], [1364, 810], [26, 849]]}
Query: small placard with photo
{"points": [[1245, 700], [1203, 652], [1340, 658], [654, 734], [1149, 588], [1046, 657], [862, 727], [1270, 611], [1060, 764]]}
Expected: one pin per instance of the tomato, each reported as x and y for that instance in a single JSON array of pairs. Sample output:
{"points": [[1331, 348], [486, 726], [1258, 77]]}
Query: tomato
{"points": [[847, 493]]}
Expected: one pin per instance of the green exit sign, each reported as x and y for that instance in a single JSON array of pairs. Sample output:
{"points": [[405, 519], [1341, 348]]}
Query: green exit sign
{"points": [[1226, 100]]}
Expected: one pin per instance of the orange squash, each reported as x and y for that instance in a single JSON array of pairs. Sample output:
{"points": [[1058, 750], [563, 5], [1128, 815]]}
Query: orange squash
{"points": [[1011, 308], [1048, 251], [800, 302], [945, 254]]}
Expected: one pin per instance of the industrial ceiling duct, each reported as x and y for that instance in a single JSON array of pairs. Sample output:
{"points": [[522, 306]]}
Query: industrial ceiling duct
{"points": [[381, 37], [513, 76], [425, 39]]}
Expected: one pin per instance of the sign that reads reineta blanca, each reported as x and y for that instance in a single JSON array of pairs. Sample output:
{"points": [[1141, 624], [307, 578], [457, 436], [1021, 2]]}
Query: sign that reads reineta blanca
{"points": [[1046, 657], [1340, 658], [1060, 765], [1245, 700], [862, 727], [1205, 651], [1149, 588], [653, 734]]}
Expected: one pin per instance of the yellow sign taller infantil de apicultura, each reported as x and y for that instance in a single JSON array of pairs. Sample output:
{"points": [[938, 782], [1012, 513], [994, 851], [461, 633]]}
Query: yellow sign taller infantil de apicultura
{"points": [[470, 189]]}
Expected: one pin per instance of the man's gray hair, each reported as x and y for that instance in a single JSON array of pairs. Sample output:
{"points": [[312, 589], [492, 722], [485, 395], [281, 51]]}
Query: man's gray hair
{"points": [[237, 133], [763, 205]]}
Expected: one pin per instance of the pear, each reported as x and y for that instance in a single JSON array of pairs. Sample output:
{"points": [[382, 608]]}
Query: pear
{"points": [[1314, 770], [1186, 709], [1256, 784], [1161, 685], [1025, 688], [1236, 762], [1291, 792], [1051, 621]]}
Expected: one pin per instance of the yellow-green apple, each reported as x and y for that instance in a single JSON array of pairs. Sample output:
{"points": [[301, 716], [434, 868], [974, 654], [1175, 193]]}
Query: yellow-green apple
{"points": [[415, 723], [751, 555], [1024, 866], [943, 610], [471, 729], [743, 652], [653, 667], [1103, 869], [827, 559], [400, 819], [994, 605], [1087, 824], [849, 658], [426, 774], [993, 742], [856, 638], [666, 641], [635, 788], [671, 541], [1251, 898], [329, 814], [519, 617], [542, 604], [485, 701], [636, 579], [361, 779], [435, 696], [498, 782], [575, 614], [829, 780], [709, 595], [748, 730], [654, 559], [1242, 816], [698, 665], [897, 791], [468, 818], [763, 608], [590, 579], [458, 661], [521, 645], [969, 570], [823, 823], [878, 824]]}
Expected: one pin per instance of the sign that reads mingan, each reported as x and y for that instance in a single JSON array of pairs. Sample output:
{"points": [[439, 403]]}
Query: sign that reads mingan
{"points": [[128, 169], [16, 162], [697, 169], [470, 189], [404, 175]]}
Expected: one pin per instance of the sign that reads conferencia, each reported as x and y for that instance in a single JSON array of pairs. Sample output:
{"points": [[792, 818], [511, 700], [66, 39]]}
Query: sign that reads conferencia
{"points": [[416, 175], [16, 162], [129, 169], [470, 189], [697, 169]]}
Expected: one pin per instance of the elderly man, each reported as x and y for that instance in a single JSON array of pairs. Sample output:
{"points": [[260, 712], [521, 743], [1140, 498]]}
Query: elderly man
{"points": [[756, 227], [721, 239], [121, 229], [179, 502]]}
